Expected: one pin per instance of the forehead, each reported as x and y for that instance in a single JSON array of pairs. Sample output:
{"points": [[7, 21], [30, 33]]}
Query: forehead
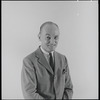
{"points": [[50, 29]]}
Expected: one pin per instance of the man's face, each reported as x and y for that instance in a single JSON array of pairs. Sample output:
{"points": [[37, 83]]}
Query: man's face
{"points": [[49, 37]]}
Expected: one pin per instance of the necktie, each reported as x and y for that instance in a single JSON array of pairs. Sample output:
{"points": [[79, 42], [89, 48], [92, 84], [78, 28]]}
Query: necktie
{"points": [[51, 61]]}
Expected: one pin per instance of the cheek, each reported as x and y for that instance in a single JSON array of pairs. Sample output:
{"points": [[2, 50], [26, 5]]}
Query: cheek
{"points": [[47, 41], [43, 40], [56, 41]]}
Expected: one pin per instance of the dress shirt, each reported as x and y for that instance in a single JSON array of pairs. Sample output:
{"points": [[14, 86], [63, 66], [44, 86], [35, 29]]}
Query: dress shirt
{"points": [[46, 54]]}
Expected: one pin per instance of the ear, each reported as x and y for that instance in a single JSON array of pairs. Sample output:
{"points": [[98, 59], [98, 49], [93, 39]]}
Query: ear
{"points": [[39, 35]]}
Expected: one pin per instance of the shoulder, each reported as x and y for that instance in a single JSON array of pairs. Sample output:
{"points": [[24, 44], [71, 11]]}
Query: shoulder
{"points": [[29, 57], [61, 56]]}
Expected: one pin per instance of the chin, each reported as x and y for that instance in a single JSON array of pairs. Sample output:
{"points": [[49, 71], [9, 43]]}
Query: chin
{"points": [[52, 49]]}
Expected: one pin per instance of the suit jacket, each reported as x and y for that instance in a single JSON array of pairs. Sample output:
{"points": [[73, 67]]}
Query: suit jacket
{"points": [[40, 82]]}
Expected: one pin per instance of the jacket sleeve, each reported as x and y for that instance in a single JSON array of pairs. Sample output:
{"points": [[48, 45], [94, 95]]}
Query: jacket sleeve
{"points": [[68, 91], [28, 81]]}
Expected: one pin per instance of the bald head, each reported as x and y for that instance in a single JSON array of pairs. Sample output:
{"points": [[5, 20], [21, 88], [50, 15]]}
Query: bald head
{"points": [[48, 24]]}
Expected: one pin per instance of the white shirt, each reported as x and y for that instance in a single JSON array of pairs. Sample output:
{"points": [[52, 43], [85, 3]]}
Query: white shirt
{"points": [[46, 54]]}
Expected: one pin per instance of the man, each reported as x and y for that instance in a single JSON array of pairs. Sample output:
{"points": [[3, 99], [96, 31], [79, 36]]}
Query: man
{"points": [[45, 72]]}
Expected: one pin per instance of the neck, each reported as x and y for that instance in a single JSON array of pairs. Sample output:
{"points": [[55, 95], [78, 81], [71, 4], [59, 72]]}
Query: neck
{"points": [[44, 51]]}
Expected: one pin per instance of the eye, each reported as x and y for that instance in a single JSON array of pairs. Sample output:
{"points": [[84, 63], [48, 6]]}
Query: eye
{"points": [[56, 37], [48, 37]]}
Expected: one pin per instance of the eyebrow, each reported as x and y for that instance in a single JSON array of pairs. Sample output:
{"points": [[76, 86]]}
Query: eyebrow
{"points": [[47, 34]]}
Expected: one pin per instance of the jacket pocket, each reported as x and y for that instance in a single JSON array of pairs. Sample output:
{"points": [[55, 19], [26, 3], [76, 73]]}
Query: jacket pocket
{"points": [[64, 71]]}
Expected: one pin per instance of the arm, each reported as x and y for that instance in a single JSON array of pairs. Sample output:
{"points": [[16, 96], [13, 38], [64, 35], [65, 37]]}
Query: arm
{"points": [[28, 80], [68, 91]]}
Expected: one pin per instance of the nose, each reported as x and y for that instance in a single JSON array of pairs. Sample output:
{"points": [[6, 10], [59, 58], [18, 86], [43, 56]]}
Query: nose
{"points": [[52, 41]]}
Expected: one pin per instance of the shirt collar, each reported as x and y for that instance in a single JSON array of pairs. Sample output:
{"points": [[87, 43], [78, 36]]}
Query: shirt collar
{"points": [[45, 52]]}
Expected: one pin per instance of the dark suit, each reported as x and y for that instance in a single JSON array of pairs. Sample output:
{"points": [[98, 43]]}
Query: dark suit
{"points": [[40, 82]]}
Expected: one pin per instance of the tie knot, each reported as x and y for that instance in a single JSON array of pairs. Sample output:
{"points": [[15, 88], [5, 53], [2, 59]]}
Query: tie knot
{"points": [[50, 54]]}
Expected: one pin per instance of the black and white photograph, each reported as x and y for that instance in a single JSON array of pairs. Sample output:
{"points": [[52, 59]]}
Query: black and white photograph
{"points": [[49, 49]]}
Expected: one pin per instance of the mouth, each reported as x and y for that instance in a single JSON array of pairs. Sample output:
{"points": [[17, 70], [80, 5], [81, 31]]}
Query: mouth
{"points": [[51, 45]]}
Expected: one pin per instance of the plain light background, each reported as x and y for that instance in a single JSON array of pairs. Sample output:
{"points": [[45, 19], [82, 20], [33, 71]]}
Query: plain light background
{"points": [[78, 23]]}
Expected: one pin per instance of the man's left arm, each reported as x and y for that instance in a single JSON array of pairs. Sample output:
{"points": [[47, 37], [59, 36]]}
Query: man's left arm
{"points": [[68, 91]]}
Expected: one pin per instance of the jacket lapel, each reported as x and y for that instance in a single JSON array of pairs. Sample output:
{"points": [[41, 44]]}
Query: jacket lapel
{"points": [[42, 60]]}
